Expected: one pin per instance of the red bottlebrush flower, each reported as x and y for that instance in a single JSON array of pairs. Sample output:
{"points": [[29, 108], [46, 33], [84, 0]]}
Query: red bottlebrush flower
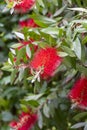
{"points": [[48, 60], [23, 5], [78, 93], [25, 122], [13, 124], [28, 23]]}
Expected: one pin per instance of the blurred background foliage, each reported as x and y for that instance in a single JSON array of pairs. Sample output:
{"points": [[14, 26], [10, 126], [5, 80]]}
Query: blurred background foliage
{"points": [[16, 92]]}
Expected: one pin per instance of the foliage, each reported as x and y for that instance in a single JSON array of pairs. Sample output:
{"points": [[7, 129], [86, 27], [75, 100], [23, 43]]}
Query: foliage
{"points": [[62, 24]]}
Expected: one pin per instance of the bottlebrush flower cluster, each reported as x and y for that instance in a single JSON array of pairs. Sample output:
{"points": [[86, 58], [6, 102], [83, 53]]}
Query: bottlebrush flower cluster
{"points": [[23, 5], [78, 94], [47, 60], [25, 122], [28, 23]]}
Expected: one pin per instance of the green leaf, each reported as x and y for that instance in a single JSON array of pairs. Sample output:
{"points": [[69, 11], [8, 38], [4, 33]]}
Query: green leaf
{"points": [[6, 116], [55, 2], [19, 35], [21, 74], [20, 55], [10, 92], [33, 97], [10, 4], [40, 120], [28, 51], [85, 128], [84, 41], [81, 69], [40, 2], [43, 19], [46, 111], [68, 50], [58, 12], [52, 96], [16, 45], [30, 78], [78, 9], [70, 1], [77, 48], [51, 30], [11, 57], [31, 103], [78, 125], [13, 76], [5, 80], [62, 54], [80, 116], [7, 68], [3, 102]]}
